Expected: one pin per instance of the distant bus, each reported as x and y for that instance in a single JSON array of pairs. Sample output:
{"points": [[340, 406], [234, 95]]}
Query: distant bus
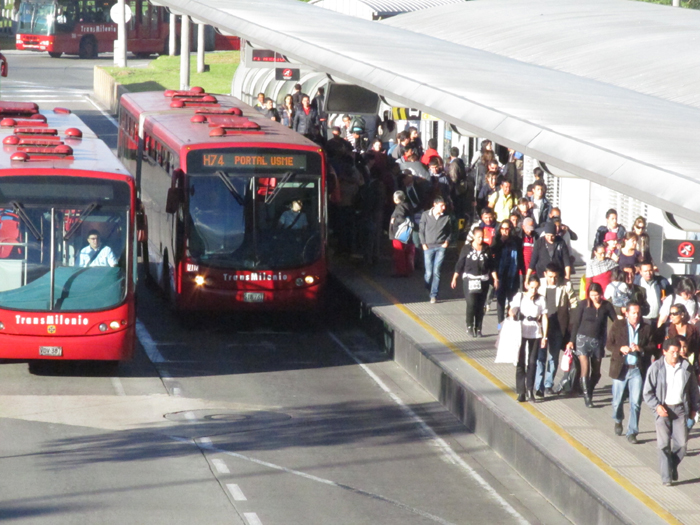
{"points": [[67, 240], [85, 28], [235, 203]]}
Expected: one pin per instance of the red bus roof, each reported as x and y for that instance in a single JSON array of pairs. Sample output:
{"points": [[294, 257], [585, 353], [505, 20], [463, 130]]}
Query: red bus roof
{"points": [[173, 126], [89, 152]]}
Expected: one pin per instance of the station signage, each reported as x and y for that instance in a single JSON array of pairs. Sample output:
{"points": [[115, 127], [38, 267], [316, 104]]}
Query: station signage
{"points": [[267, 55], [681, 252], [286, 73]]}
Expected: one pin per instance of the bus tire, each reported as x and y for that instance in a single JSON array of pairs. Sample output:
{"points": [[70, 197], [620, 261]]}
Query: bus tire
{"points": [[88, 47], [56, 54], [143, 55]]}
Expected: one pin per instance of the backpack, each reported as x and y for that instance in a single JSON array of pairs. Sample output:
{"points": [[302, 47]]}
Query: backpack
{"points": [[358, 125], [404, 231], [620, 298]]}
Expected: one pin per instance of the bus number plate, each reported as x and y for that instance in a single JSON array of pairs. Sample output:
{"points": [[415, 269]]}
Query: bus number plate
{"points": [[253, 297], [55, 351]]}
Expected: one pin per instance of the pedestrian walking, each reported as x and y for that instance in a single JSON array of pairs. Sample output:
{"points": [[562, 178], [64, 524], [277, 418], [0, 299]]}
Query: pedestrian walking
{"points": [[560, 300], [631, 344], [475, 266], [588, 338], [531, 309], [435, 230], [403, 253], [671, 391]]}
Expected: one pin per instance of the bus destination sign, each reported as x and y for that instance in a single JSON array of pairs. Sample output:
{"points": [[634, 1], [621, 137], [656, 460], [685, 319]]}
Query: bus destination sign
{"points": [[274, 161]]}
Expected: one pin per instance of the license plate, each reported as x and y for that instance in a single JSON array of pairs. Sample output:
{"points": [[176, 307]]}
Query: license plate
{"points": [[253, 297], [55, 351]]}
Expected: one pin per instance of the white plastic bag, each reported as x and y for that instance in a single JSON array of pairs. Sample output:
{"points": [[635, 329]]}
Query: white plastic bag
{"points": [[508, 342], [566, 360]]}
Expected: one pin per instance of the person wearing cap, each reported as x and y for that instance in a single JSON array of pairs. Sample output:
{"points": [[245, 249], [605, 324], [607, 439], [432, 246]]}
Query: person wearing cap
{"points": [[611, 246], [549, 249]]}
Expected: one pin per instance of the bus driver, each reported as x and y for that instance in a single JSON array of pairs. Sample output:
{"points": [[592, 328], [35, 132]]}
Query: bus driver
{"points": [[96, 254]]}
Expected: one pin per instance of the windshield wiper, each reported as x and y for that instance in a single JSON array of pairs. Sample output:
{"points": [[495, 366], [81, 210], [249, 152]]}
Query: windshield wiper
{"points": [[230, 187], [26, 220], [83, 215], [275, 192]]}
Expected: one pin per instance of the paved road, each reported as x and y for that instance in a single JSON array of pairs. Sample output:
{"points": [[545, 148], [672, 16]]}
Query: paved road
{"points": [[274, 420]]}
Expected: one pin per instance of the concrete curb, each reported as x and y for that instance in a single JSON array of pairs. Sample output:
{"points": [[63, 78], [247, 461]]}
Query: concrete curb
{"points": [[106, 90], [571, 482]]}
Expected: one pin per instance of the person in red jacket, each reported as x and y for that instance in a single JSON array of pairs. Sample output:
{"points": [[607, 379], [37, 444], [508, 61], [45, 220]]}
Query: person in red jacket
{"points": [[430, 152]]}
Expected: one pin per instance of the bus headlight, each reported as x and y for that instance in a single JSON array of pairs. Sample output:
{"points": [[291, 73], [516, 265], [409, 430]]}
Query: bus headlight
{"points": [[2, 325], [309, 279], [114, 325], [199, 280], [103, 327]]}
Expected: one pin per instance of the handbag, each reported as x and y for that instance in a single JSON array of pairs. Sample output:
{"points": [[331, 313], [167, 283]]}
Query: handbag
{"points": [[566, 360], [508, 342], [404, 231]]}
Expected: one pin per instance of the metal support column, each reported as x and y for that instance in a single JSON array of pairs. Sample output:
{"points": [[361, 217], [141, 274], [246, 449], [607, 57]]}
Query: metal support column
{"points": [[200, 48], [172, 36], [185, 53], [120, 42]]}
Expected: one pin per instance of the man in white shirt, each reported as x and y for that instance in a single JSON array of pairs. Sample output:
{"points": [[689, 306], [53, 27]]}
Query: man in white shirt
{"points": [[95, 253], [671, 391], [655, 288]]}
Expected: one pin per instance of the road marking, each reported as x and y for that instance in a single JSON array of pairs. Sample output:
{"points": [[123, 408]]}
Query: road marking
{"points": [[190, 416], [117, 384], [104, 113], [311, 477], [252, 518], [149, 345], [220, 466], [450, 455], [205, 441], [236, 492]]}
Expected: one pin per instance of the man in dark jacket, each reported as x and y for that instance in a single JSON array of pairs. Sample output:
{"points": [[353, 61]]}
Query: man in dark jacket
{"points": [[550, 249], [629, 340], [306, 119], [611, 225], [435, 230], [671, 391]]}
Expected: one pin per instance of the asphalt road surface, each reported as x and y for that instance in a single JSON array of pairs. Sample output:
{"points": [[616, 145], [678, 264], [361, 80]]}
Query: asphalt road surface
{"points": [[253, 420]]}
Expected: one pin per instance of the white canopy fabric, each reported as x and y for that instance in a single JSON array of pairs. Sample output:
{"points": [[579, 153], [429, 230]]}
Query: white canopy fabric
{"points": [[594, 111], [373, 9]]}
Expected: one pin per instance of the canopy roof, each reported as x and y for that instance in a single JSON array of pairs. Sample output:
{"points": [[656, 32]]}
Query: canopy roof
{"points": [[373, 9], [605, 89]]}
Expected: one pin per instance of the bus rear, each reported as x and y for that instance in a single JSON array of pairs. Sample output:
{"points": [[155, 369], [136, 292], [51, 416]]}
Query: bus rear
{"points": [[66, 243]]}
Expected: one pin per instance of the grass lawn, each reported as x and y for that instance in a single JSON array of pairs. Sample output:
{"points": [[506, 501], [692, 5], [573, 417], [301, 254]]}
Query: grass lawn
{"points": [[164, 73]]}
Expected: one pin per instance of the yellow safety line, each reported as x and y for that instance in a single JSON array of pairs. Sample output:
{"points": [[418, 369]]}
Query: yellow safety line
{"points": [[621, 480]]}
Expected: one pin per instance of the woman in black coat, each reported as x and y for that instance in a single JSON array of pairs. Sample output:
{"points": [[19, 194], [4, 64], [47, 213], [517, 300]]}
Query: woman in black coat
{"points": [[475, 266]]}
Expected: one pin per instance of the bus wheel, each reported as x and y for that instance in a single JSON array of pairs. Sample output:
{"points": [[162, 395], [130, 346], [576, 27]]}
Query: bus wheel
{"points": [[143, 55], [56, 54], [88, 47]]}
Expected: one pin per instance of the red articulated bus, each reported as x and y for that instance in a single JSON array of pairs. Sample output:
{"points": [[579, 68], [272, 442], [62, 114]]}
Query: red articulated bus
{"points": [[235, 203], [85, 28], [67, 240]]}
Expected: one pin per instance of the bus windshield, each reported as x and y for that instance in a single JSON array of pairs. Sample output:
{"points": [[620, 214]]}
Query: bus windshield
{"points": [[254, 222], [63, 243], [36, 17]]}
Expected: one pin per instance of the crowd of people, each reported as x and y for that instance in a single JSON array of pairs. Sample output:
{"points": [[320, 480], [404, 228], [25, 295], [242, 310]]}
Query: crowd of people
{"points": [[517, 250]]}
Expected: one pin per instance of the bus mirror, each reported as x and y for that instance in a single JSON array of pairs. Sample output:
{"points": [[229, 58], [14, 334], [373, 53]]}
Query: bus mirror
{"points": [[3, 66], [175, 198]]}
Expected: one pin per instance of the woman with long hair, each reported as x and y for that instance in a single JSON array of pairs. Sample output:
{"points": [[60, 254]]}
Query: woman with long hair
{"points": [[643, 242], [679, 325], [629, 254], [530, 307], [475, 266], [508, 255], [286, 111], [588, 337]]}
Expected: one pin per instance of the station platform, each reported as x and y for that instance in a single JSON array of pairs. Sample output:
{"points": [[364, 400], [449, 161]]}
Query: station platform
{"points": [[568, 452]]}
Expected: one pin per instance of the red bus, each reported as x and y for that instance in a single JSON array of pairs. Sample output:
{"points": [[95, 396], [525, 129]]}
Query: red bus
{"points": [[85, 28], [67, 240], [235, 203]]}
